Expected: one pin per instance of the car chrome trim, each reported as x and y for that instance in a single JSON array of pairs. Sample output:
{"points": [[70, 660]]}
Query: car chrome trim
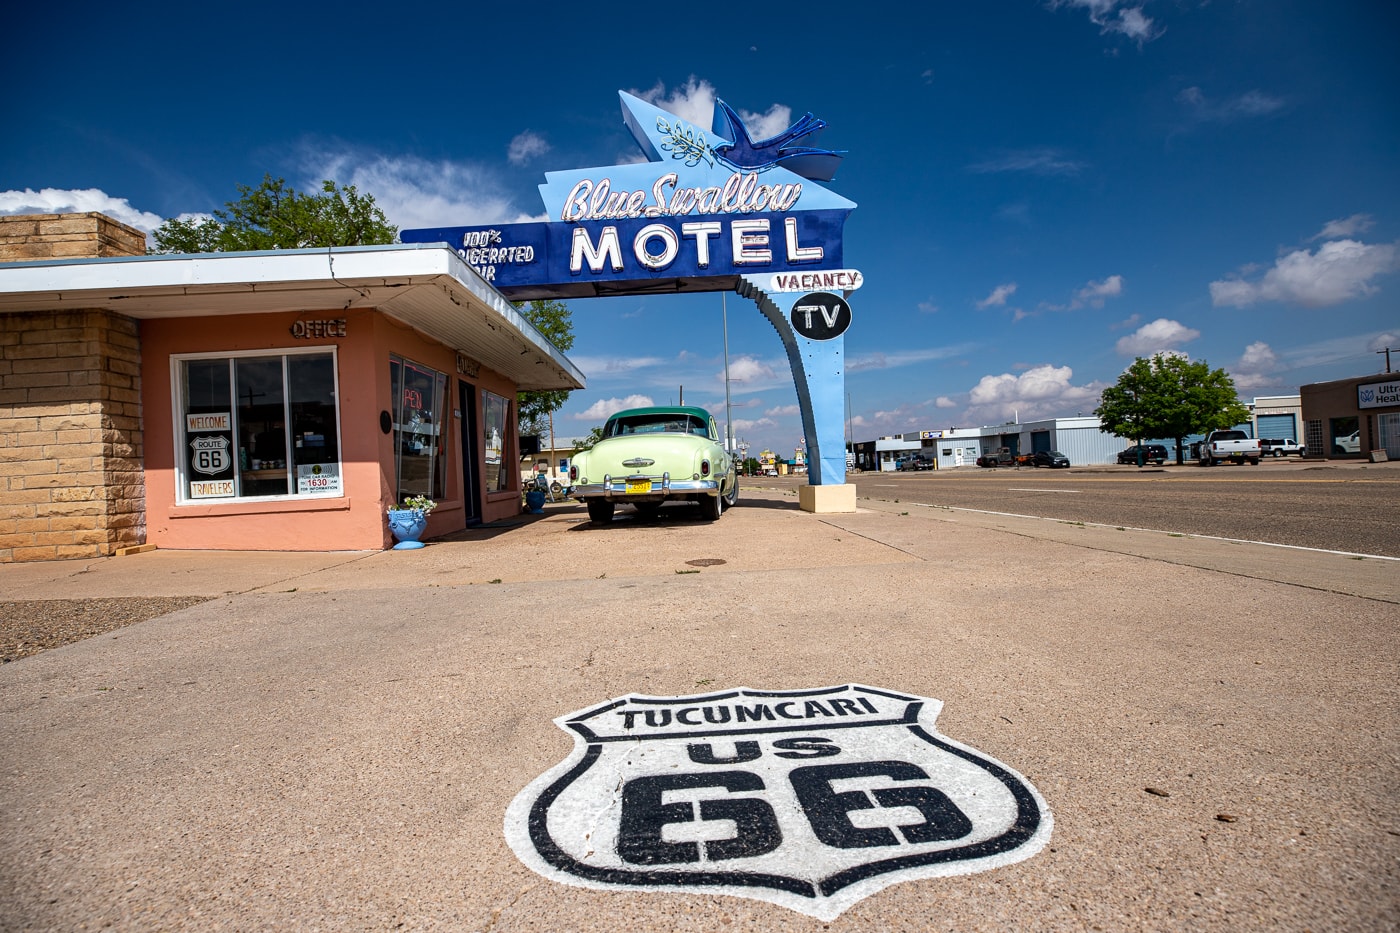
{"points": [[663, 486]]}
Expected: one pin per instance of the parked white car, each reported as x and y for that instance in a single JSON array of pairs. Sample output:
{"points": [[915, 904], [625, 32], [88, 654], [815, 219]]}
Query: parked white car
{"points": [[1280, 447]]}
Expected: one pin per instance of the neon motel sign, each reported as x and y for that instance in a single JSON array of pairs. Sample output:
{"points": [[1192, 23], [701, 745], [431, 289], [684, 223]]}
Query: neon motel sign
{"points": [[707, 211]]}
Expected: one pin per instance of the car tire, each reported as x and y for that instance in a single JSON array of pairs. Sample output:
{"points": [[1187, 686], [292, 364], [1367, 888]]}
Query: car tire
{"points": [[600, 511], [711, 507], [556, 487], [1254, 461], [733, 498]]}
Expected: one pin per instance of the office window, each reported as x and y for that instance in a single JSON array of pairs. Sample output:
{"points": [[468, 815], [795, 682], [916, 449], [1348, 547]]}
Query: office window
{"points": [[420, 399], [495, 433], [257, 426]]}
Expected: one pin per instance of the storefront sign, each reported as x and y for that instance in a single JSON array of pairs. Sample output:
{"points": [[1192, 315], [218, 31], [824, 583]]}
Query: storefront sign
{"points": [[318, 479], [309, 330], [1378, 395], [809, 799], [210, 438], [705, 205]]}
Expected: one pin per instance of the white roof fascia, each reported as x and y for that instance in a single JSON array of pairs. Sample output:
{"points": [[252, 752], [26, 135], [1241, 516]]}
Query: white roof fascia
{"points": [[205, 284]]}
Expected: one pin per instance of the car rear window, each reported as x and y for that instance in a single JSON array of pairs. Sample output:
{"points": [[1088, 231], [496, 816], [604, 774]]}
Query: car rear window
{"points": [[658, 424]]}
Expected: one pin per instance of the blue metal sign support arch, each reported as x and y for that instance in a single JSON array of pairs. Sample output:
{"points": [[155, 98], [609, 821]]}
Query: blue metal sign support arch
{"points": [[708, 211], [819, 375]]}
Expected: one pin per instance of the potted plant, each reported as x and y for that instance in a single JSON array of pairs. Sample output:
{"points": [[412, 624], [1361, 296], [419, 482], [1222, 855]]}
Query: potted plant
{"points": [[407, 520]]}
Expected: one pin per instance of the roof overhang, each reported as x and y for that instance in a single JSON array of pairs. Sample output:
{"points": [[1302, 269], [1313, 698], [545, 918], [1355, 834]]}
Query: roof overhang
{"points": [[426, 286]]}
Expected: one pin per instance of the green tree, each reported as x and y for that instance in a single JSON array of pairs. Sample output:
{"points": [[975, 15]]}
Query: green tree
{"points": [[1170, 396], [276, 216], [554, 320], [594, 436]]}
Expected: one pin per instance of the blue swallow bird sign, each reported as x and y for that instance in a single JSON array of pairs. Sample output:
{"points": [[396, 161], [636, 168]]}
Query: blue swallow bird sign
{"points": [[707, 211], [702, 210], [809, 799]]}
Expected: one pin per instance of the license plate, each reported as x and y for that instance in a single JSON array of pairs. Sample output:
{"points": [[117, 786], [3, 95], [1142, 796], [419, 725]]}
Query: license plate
{"points": [[638, 486]]}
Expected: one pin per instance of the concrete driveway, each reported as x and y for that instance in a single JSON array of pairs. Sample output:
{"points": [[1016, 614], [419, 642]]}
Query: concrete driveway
{"points": [[332, 740]]}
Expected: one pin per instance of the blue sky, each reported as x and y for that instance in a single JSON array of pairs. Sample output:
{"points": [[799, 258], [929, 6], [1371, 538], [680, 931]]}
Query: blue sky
{"points": [[1045, 188]]}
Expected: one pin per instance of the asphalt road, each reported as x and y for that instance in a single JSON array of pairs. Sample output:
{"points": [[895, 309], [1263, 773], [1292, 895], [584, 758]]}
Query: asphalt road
{"points": [[1352, 507]]}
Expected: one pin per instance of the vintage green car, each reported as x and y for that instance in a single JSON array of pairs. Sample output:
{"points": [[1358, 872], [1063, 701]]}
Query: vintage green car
{"points": [[649, 456]]}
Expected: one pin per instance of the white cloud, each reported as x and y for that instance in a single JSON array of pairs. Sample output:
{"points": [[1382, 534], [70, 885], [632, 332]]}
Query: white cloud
{"points": [[601, 409], [893, 360], [743, 424], [525, 147], [751, 374], [767, 124], [944, 401], [77, 201], [1202, 109], [694, 102], [783, 411], [1038, 161], [1346, 227], [1155, 337], [415, 192], [412, 192], [592, 366], [1128, 21], [911, 416], [1039, 392], [1095, 293], [1338, 271], [927, 307], [1382, 341], [998, 296], [1256, 367]]}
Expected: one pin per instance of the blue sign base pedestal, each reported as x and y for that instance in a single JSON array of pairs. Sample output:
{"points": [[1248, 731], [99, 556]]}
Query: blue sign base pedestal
{"points": [[834, 498]]}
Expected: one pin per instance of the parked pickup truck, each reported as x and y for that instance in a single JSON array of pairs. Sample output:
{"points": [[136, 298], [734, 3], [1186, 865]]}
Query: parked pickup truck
{"points": [[1280, 446], [1235, 446]]}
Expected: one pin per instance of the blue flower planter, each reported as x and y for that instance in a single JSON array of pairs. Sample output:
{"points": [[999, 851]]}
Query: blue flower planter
{"points": [[534, 501], [407, 525]]}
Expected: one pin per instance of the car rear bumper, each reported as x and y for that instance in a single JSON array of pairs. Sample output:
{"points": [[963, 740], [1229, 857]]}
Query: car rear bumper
{"points": [[658, 489]]}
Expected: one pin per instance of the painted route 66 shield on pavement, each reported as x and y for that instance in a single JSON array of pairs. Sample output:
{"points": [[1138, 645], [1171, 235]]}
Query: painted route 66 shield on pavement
{"points": [[811, 799]]}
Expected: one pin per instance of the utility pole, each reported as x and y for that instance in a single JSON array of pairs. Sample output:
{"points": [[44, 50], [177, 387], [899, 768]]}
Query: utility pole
{"points": [[1386, 351], [728, 417]]}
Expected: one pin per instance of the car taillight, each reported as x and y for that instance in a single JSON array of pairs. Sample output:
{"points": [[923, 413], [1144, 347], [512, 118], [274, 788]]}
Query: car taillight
{"points": [[573, 474], [704, 468]]}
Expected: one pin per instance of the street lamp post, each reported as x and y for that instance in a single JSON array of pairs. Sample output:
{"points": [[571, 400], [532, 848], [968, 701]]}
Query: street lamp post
{"points": [[728, 417]]}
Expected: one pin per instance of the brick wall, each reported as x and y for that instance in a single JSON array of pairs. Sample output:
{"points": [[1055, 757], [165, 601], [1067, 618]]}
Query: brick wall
{"points": [[67, 236], [71, 476]]}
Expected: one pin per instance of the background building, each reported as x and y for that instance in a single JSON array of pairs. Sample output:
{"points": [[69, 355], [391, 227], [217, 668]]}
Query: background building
{"points": [[1354, 417]]}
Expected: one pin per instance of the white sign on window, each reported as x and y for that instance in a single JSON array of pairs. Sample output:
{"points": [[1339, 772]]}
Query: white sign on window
{"points": [[211, 489], [318, 479]]}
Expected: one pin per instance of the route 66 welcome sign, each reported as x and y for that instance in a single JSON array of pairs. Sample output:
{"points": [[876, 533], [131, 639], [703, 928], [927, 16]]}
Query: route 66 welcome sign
{"points": [[811, 799]]}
